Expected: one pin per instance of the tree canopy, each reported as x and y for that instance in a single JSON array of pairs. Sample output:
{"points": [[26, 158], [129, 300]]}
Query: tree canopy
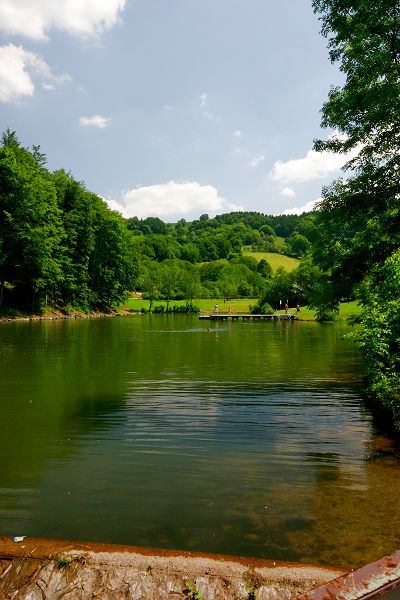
{"points": [[360, 214], [59, 243], [359, 220]]}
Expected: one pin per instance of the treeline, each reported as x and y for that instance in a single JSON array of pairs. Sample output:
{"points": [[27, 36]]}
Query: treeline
{"points": [[59, 243], [61, 246]]}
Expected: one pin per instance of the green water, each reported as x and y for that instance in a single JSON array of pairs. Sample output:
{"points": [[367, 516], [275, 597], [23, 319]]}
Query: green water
{"points": [[235, 438]]}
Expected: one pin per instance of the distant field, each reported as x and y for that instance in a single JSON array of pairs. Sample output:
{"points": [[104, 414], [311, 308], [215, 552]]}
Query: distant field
{"points": [[275, 260], [347, 310], [237, 305]]}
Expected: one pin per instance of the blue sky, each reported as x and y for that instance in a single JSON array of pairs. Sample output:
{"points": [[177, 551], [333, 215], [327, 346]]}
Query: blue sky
{"points": [[172, 108]]}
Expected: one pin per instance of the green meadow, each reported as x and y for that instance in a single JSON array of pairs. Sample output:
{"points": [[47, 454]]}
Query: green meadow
{"points": [[275, 260], [237, 305]]}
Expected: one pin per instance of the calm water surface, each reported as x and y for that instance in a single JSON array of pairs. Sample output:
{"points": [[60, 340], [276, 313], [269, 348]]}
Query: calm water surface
{"points": [[247, 438]]}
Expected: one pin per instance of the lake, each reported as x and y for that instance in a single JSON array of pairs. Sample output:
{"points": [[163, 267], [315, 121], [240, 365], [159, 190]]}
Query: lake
{"points": [[164, 431]]}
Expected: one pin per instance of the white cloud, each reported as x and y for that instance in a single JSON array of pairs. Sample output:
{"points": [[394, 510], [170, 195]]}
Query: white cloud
{"points": [[203, 100], [207, 114], [19, 68], [114, 205], [298, 210], [172, 201], [237, 133], [256, 161], [288, 192], [33, 18], [211, 116], [94, 121], [313, 166]]}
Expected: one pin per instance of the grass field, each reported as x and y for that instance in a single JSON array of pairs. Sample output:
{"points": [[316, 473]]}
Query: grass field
{"points": [[347, 310], [238, 305], [275, 260]]}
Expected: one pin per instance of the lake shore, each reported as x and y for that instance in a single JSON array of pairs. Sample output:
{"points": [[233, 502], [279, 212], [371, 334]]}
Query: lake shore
{"points": [[33, 568], [70, 316]]}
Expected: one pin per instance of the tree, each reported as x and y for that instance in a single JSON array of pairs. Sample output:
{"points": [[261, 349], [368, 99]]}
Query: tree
{"points": [[189, 283], [190, 252], [79, 220], [99, 261], [360, 215], [244, 289], [298, 244], [31, 230], [265, 269], [169, 276], [359, 224], [149, 281], [155, 224], [112, 266]]}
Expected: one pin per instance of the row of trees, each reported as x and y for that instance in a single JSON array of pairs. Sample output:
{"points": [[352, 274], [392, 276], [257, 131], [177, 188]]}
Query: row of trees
{"points": [[59, 244], [176, 279]]}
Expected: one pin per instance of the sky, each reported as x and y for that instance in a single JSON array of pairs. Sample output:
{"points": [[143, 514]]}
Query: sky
{"points": [[173, 108]]}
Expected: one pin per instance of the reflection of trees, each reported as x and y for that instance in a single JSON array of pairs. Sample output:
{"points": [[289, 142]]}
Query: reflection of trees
{"points": [[53, 393], [221, 437]]}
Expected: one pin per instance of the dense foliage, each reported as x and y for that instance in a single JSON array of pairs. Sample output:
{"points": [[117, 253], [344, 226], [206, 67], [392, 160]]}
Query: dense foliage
{"points": [[224, 236], [360, 215], [59, 244], [359, 221]]}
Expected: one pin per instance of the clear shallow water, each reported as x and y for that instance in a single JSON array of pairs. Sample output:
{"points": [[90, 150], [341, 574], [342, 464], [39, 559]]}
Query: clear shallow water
{"points": [[241, 438]]}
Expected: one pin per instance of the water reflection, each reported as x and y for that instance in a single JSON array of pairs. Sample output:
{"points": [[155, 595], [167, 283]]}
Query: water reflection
{"points": [[246, 439]]}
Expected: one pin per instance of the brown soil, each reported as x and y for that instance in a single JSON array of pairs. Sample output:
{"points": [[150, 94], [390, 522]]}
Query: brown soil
{"points": [[41, 569]]}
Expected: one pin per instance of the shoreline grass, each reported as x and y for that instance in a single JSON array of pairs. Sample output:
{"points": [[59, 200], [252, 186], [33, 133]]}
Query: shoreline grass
{"points": [[237, 305]]}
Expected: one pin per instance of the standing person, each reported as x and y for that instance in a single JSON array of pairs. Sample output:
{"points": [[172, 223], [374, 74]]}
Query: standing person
{"points": [[298, 307], [216, 309], [286, 308]]}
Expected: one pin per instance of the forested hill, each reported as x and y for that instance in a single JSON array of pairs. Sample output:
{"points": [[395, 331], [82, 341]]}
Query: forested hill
{"points": [[60, 245], [207, 239]]}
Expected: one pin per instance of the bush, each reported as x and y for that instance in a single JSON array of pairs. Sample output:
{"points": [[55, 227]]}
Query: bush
{"points": [[379, 338], [262, 309], [159, 309]]}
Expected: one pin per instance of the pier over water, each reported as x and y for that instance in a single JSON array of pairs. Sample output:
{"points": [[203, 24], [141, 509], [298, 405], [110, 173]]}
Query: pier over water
{"points": [[246, 316]]}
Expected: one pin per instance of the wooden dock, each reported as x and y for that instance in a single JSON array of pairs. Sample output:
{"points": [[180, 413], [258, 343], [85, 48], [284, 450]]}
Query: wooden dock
{"points": [[247, 317]]}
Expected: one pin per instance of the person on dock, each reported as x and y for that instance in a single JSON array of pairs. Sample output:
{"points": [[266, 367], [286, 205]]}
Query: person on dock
{"points": [[286, 308], [298, 307], [216, 309]]}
